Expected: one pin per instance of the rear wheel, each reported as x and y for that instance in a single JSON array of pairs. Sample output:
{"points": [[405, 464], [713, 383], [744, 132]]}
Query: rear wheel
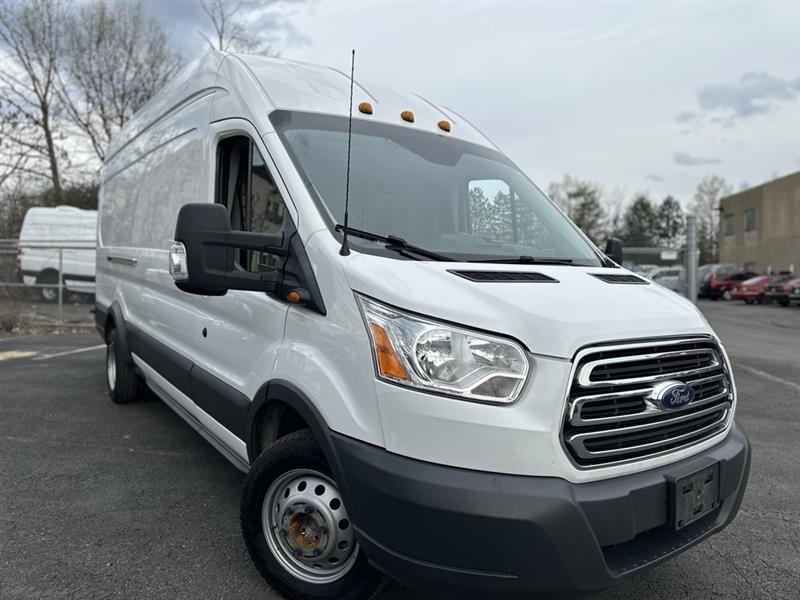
{"points": [[726, 295], [784, 302], [296, 526], [121, 379], [748, 301], [49, 279]]}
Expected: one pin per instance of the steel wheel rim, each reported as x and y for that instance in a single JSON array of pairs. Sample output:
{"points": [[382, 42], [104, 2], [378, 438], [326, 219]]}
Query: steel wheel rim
{"points": [[307, 528], [49, 294], [111, 366]]}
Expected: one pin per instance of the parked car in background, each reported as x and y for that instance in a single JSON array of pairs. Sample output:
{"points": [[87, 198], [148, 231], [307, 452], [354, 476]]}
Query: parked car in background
{"points": [[709, 276], [781, 292], [721, 287], [670, 277], [753, 290], [644, 269], [794, 295], [58, 241]]}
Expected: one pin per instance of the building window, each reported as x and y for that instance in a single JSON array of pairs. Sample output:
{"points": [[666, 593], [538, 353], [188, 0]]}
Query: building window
{"points": [[750, 219], [728, 224]]}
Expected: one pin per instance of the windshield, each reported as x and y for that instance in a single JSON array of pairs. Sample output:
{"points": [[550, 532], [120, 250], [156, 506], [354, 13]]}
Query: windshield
{"points": [[448, 196]]}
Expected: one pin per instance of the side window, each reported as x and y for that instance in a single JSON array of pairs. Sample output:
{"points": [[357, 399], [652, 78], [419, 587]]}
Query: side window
{"points": [[248, 191]]}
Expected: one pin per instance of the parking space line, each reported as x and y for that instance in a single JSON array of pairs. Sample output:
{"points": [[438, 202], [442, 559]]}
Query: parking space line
{"points": [[69, 352], [765, 375], [10, 354]]}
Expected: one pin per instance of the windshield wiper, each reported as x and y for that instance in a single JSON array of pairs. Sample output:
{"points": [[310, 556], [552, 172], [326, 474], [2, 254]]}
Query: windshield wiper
{"points": [[527, 260], [395, 243]]}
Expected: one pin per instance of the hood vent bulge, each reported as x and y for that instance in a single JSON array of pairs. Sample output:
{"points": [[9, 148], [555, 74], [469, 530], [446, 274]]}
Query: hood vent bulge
{"points": [[504, 277], [623, 279]]}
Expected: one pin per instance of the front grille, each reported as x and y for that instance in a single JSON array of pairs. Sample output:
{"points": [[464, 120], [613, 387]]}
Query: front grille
{"points": [[611, 417]]}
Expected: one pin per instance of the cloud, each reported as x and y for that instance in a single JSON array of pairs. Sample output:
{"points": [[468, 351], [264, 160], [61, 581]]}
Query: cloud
{"points": [[687, 116], [687, 160], [654, 177], [755, 93]]}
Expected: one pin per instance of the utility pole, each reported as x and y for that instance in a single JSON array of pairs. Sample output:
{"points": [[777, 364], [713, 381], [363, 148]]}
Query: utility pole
{"points": [[690, 259]]}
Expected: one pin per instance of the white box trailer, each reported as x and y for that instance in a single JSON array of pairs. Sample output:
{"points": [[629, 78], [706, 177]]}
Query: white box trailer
{"points": [[57, 241]]}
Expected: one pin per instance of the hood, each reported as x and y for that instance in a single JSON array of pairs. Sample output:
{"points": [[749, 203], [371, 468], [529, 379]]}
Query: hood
{"points": [[554, 319]]}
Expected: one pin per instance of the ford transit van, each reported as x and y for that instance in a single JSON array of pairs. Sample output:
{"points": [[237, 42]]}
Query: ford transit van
{"points": [[58, 243], [465, 394]]}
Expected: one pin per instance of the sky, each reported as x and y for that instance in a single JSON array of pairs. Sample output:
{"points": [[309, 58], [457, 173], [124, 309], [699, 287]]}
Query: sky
{"points": [[646, 97]]}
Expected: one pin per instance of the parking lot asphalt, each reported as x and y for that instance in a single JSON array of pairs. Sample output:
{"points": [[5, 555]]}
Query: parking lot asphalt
{"points": [[105, 501]]}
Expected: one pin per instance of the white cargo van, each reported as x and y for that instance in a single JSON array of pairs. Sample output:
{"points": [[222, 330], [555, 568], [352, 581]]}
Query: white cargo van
{"points": [[468, 396], [57, 241]]}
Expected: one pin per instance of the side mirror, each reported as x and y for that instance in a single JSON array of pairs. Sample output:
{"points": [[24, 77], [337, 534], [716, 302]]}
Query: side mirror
{"points": [[202, 258], [614, 250]]}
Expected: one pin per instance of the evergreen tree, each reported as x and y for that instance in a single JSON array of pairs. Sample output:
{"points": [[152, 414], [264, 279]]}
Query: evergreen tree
{"points": [[641, 220], [670, 225]]}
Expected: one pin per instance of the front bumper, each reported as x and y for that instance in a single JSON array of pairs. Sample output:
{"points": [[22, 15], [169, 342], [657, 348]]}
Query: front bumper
{"points": [[455, 533]]}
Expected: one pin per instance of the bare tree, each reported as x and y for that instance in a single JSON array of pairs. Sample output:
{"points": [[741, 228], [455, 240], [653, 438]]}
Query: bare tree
{"points": [[115, 59], [706, 207], [30, 33], [232, 35]]}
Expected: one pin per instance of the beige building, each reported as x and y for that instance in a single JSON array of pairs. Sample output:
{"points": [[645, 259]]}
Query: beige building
{"points": [[760, 227]]}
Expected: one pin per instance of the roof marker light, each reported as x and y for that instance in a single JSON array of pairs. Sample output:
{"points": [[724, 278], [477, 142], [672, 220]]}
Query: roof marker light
{"points": [[407, 115], [365, 107], [444, 126]]}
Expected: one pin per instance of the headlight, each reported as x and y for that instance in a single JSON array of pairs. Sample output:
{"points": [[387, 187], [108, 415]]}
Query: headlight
{"points": [[432, 356]]}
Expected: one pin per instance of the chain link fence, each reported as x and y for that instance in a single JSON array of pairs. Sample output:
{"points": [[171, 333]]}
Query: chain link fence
{"points": [[46, 284]]}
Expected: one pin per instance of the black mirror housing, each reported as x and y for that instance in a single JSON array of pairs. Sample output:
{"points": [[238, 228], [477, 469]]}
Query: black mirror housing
{"points": [[211, 247], [614, 250]]}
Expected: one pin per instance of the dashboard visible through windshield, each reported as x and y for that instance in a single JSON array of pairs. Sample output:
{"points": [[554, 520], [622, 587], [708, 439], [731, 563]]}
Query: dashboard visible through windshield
{"points": [[445, 195]]}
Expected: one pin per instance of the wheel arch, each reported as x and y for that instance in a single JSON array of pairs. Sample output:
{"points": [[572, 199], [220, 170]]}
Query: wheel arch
{"points": [[280, 392], [112, 319]]}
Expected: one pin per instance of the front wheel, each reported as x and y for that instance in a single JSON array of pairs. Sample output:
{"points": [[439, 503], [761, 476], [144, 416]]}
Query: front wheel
{"points": [[296, 526], [726, 295]]}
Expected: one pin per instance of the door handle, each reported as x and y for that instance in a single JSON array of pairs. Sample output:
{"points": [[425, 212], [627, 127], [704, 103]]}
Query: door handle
{"points": [[123, 260]]}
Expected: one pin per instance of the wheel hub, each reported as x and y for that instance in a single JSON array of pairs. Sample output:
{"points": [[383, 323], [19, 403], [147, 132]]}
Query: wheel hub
{"points": [[307, 528]]}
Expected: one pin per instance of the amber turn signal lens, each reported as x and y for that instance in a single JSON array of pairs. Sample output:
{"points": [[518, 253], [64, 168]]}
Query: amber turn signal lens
{"points": [[407, 115], [293, 297], [388, 362], [365, 107], [444, 125]]}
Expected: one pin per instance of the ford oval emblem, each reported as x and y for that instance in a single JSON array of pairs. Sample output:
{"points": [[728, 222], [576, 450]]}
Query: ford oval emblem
{"points": [[672, 395]]}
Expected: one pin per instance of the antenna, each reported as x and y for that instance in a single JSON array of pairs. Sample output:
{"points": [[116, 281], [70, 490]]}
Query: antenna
{"points": [[345, 249]]}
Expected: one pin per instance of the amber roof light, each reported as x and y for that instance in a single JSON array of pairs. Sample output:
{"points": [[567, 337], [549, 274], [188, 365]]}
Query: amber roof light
{"points": [[407, 115], [444, 126], [365, 107]]}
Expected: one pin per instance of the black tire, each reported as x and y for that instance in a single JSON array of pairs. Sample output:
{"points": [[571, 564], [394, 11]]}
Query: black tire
{"points": [[123, 386], [784, 302], [50, 293], [298, 450], [749, 301]]}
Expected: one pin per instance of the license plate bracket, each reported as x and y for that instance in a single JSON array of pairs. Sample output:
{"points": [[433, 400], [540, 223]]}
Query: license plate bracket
{"points": [[693, 496]]}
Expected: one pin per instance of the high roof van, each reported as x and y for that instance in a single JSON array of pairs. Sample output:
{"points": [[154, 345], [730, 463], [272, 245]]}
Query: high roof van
{"points": [[58, 243], [423, 367]]}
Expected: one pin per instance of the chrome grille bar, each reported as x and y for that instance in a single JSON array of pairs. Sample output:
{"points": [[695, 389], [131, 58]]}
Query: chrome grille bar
{"points": [[579, 441], [586, 371]]}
